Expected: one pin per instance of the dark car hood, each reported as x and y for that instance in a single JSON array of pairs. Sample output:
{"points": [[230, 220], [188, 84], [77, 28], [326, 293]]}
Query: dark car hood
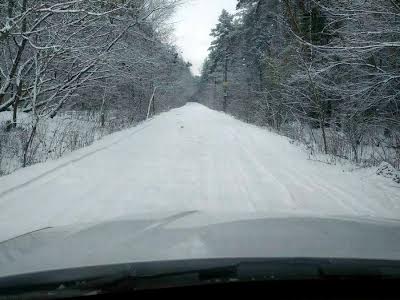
{"points": [[195, 235]]}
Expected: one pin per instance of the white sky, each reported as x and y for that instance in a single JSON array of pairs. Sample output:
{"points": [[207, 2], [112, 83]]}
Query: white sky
{"points": [[193, 23]]}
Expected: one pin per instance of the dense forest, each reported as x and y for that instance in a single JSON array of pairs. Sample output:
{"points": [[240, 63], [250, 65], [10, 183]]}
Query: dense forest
{"points": [[72, 71], [325, 73]]}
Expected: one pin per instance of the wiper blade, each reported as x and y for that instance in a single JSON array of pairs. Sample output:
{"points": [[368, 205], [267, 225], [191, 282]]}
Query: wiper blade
{"points": [[81, 281], [190, 277], [153, 275]]}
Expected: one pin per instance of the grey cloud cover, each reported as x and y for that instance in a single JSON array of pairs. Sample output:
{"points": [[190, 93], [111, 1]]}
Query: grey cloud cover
{"points": [[193, 23]]}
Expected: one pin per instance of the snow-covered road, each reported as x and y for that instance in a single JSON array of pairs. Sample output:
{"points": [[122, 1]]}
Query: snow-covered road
{"points": [[191, 158]]}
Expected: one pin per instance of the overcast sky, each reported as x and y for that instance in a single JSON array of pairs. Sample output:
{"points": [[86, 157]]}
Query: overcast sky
{"points": [[193, 23]]}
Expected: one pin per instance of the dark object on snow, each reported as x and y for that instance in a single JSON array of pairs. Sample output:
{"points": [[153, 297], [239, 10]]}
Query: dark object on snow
{"points": [[9, 126]]}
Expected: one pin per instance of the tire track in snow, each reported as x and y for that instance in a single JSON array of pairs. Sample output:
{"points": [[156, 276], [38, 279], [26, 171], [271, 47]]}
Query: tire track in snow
{"points": [[258, 165], [246, 191], [331, 191], [70, 162], [317, 184], [334, 194]]}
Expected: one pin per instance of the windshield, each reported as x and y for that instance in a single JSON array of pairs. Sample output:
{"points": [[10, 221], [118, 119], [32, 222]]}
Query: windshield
{"points": [[158, 130]]}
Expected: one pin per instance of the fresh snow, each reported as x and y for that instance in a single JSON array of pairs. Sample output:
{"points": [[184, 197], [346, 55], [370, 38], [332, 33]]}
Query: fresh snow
{"points": [[191, 158], [54, 137]]}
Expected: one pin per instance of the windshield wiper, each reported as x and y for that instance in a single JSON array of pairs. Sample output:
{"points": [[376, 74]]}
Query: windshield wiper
{"points": [[102, 279], [153, 275]]}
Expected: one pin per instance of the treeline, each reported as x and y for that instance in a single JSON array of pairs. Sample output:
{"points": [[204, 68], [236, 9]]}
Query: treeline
{"points": [[323, 72], [57, 54], [104, 58]]}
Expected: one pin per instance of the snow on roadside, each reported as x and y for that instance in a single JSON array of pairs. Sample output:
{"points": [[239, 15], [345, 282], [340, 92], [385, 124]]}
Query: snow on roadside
{"points": [[387, 171], [55, 137]]}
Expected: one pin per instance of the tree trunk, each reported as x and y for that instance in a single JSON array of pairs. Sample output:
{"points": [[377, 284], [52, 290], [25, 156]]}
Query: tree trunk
{"points": [[20, 51], [154, 105], [29, 142], [151, 103], [225, 102], [322, 124], [10, 8], [16, 102]]}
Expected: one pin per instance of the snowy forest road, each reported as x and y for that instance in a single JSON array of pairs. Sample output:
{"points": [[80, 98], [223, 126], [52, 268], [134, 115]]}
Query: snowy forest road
{"points": [[191, 158]]}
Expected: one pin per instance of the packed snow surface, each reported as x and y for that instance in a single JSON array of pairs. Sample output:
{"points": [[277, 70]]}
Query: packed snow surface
{"points": [[191, 158]]}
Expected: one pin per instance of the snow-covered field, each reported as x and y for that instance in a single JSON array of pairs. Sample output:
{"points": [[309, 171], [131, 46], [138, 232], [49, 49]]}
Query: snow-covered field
{"points": [[191, 158]]}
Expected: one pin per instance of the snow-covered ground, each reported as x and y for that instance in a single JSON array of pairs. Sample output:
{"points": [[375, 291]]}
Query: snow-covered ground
{"points": [[54, 137], [66, 132], [191, 158]]}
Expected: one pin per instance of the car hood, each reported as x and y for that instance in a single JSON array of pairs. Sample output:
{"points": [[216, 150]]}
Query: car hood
{"points": [[196, 235]]}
